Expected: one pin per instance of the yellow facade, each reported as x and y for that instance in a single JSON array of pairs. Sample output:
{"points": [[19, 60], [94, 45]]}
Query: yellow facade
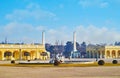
{"points": [[23, 52], [103, 51], [112, 51]]}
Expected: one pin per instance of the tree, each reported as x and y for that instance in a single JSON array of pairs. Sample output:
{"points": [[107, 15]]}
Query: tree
{"points": [[83, 49], [68, 49], [47, 46]]}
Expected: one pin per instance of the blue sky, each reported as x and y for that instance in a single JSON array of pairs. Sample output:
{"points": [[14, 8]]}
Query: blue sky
{"points": [[95, 21]]}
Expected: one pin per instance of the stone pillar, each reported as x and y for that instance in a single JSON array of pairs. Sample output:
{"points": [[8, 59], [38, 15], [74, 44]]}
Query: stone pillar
{"points": [[101, 54], [37, 52], [20, 53], [93, 54], [90, 54], [116, 54], [110, 54], [97, 55], [2, 55]]}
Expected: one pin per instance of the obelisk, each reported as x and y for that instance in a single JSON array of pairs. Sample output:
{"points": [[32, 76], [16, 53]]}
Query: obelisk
{"points": [[74, 42], [43, 38]]}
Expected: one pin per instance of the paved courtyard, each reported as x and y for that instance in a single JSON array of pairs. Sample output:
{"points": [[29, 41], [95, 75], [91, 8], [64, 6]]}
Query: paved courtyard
{"points": [[60, 72]]}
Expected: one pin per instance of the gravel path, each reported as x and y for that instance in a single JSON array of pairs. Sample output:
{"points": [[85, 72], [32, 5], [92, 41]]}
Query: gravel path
{"points": [[60, 72]]}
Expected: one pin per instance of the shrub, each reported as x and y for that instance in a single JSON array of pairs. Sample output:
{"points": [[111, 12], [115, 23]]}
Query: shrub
{"points": [[28, 60], [101, 62], [56, 62], [13, 61], [35, 59], [114, 61]]}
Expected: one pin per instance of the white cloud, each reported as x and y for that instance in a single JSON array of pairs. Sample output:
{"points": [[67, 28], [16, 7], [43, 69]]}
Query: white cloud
{"points": [[84, 3], [15, 27], [95, 34], [31, 12], [19, 32], [93, 3], [104, 4]]}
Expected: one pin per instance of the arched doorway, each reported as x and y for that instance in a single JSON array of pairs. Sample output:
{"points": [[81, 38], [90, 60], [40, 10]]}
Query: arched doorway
{"points": [[0, 55], [88, 54], [103, 54], [119, 54], [113, 54], [16, 55], [8, 55], [32, 55], [99, 54], [44, 54], [108, 54], [91, 54], [26, 55]]}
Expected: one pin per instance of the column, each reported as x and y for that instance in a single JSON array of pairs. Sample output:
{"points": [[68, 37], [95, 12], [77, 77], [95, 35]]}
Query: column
{"points": [[93, 54], [12, 58], [110, 54], [36, 52], [105, 55], [88, 54], [2, 55], [116, 54], [101, 54], [97, 54], [20, 53]]}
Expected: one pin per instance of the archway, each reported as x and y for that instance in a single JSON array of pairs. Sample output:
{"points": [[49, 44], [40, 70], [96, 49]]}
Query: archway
{"points": [[95, 54], [8, 55], [119, 54], [26, 55], [88, 54], [108, 54], [44, 54], [91, 54], [16, 55], [113, 54], [103, 54], [99, 54]]}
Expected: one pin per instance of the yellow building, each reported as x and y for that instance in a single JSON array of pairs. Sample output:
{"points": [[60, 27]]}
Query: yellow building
{"points": [[23, 52], [103, 51]]}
